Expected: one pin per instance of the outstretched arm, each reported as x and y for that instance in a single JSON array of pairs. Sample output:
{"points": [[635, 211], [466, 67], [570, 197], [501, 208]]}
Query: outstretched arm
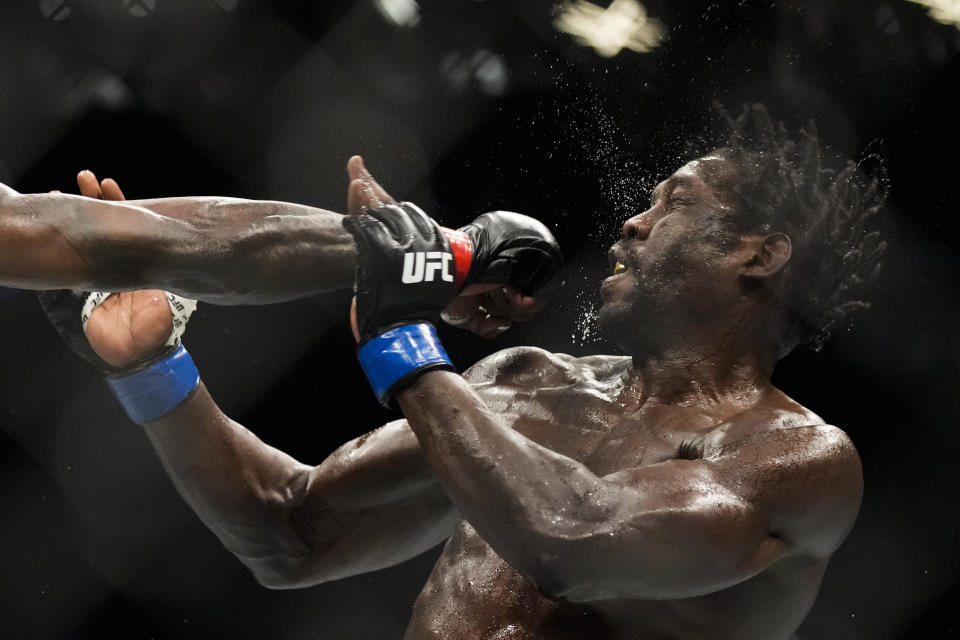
{"points": [[370, 504], [677, 529], [221, 250]]}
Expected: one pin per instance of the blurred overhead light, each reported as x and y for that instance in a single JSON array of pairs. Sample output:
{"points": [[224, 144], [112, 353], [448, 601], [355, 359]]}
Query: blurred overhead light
{"points": [[483, 70], [622, 25], [140, 8], [55, 9], [403, 13], [97, 87], [945, 11]]}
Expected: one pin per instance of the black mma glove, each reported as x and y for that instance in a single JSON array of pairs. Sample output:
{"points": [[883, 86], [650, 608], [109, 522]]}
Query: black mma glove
{"points": [[405, 267], [511, 248], [409, 268]]}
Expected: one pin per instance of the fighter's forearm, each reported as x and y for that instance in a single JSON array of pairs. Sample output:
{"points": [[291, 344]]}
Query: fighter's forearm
{"points": [[221, 250], [253, 251], [514, 492], [237, 485], [295, 525]]}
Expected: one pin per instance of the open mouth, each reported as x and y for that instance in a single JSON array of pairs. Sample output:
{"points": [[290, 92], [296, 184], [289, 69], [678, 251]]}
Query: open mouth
{"points": [[619, 268]]}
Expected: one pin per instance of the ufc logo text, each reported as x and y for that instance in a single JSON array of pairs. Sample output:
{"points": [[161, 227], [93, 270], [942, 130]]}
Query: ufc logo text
{"points": [[422, 266]]}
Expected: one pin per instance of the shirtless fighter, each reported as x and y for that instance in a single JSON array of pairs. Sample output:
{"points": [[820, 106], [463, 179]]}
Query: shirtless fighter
{"points": [[669, 493]]}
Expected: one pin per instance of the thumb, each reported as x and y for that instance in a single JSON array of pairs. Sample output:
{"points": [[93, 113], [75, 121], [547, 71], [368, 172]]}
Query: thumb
{"points": [[361, 196]]}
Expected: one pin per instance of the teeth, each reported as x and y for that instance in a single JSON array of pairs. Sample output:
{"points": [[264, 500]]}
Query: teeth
{"points": [[619, 268]]}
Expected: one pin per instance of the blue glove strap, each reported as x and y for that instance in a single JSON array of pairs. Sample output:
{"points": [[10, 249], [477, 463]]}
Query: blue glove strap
{"points": [[152, 393], [397, 355]]}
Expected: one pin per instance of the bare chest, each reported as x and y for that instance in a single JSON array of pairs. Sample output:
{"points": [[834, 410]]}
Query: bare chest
{"points": [[473, 593], [592, 425]]}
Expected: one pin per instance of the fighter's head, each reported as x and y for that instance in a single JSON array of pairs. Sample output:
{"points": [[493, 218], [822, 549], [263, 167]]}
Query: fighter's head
{"points": [[756, 236]]}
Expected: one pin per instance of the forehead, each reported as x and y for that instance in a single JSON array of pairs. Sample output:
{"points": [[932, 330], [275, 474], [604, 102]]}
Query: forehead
{"points": [[706, 174]]}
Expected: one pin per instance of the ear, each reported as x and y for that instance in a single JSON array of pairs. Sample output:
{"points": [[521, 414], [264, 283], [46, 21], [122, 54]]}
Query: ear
{"points": [[764, 256]]}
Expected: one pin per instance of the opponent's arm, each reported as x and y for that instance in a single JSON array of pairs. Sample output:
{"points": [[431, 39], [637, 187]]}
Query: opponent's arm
{"points": [[677, 529], [371, 504], [222, 250], [292, 524]]}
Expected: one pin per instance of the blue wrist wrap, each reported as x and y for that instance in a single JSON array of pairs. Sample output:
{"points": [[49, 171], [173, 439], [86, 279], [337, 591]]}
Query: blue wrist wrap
{"points": [[395, 356], [152, 393]]}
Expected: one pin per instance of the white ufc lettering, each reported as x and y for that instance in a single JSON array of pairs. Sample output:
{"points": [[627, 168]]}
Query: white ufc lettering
{"points": [[422, 266]]}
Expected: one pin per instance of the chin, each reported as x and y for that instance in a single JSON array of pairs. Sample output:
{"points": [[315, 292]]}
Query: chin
{"points": [[624, 323], [615, 322]]}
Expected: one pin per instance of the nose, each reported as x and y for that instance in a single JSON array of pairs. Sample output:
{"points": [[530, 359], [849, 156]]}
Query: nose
{"points": [[638, 227]]}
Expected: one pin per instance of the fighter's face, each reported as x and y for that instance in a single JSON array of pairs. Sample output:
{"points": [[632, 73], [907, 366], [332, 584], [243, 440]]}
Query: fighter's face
{"points": [[674, 262]]}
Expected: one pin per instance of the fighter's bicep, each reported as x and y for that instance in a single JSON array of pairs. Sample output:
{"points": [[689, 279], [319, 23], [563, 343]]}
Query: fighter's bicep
{"points": [[371, 504], [670, 530], [379, 467]]}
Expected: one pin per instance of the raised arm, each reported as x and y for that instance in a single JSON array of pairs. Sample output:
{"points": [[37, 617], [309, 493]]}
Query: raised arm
{"points": [[677, 529], [222, 250], [371, 504]]}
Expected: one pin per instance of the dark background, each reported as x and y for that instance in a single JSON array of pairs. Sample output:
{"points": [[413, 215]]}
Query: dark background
{"points": [[480, 105]]}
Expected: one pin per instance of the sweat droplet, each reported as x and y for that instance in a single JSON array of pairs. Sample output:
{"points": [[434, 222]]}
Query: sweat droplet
{"points": [[585, 325]]}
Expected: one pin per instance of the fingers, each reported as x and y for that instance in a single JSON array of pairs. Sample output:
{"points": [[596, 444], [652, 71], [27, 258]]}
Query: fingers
{"points": [[508, 301], [110, 190], [360, 196], [87, 182], [368, 232], [364, 190], [466, 312], [91, 188], [489, 310]]}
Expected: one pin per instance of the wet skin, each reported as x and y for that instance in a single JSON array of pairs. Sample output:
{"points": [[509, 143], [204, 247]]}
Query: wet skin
{"points": [[220, 250], [673, 493], [583, 409]]}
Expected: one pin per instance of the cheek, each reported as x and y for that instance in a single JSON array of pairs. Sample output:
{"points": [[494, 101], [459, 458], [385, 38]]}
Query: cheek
{"points": [[687, 268], [673, 259]]}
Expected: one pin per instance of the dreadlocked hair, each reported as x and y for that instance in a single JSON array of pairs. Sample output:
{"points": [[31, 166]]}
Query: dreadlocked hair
{"points": [[782, 185]]}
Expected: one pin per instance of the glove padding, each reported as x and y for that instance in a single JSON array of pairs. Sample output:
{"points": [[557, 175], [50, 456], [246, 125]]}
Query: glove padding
{"points": [[405, 267], [511, 248]]}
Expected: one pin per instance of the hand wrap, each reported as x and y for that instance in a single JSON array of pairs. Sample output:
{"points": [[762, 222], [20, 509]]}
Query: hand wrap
{"points": [[409, 268], [405, 276], [150, 388]]}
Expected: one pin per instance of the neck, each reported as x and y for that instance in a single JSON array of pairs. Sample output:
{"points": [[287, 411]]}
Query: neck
{"points": [[701, 372]]}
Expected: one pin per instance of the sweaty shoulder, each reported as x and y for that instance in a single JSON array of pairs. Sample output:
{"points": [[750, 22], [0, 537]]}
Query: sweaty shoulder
{"points": [[804, 473], [533, 365]]}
